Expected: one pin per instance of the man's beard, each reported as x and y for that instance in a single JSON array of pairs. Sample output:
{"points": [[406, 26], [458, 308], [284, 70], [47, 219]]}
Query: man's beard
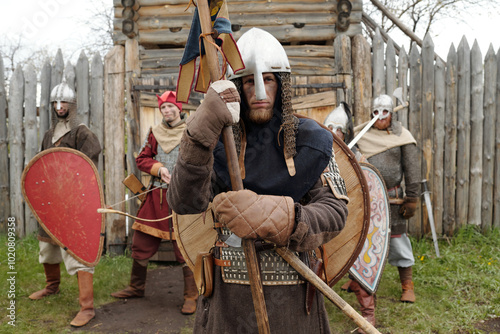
{"points": [[259, 117]]}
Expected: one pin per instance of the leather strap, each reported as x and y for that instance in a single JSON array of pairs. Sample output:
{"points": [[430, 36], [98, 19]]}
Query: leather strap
{"points": [[222, 263]]}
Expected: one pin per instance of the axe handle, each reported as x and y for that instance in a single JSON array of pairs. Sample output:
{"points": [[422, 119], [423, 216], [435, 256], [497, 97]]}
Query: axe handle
{"points": [[312, 278], [234, 172]]}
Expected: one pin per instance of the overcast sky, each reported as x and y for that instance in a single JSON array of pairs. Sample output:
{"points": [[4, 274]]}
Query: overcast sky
{"points": [[59, 24]]}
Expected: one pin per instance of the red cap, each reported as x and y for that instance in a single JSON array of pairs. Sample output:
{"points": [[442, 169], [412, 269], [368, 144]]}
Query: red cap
{"points": [[169, 96]]}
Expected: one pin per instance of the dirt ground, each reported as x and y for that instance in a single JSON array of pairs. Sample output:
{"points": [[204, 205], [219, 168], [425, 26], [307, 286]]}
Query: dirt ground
{"points": [[159, 312]]}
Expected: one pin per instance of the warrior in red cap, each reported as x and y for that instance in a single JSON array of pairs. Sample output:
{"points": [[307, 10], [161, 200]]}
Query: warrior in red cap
{"points": [[158, 157]]}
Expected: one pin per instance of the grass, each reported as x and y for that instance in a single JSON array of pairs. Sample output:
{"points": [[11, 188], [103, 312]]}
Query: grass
{"points": [[454, 292]]}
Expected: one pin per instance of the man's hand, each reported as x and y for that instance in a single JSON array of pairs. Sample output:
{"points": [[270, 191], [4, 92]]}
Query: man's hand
{"points": [[164, 174], [408, 207], [249, 215], [221, 107]]}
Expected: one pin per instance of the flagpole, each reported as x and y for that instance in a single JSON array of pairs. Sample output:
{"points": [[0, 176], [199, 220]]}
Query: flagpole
{"points": [[234, 172]]}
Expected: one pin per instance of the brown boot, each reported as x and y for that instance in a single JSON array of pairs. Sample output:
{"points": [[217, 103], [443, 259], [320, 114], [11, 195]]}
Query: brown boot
{"points": [[405, 275], [366, 301], [86, 298], [345, 287], [190, 292], [137, 283], [53, 278]]}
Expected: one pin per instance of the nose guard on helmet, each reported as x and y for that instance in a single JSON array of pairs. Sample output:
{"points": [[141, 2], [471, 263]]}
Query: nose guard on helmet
{"points": [[261, 53]]}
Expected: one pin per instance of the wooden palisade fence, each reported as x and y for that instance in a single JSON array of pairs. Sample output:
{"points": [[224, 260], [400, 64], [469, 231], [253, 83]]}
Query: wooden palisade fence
{"points": [[452, 115], [23, 124]]}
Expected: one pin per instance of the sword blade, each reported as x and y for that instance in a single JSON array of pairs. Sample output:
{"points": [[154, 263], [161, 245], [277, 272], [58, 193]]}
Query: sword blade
{"points": [[428, 205]]}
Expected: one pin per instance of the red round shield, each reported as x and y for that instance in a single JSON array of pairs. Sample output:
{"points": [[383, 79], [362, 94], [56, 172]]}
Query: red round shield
{"points": [[63, 189]]}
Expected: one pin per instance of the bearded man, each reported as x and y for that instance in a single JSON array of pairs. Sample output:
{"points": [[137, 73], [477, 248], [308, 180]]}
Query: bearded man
{"points": [[285, 202], [67, 131], [393, 151]]}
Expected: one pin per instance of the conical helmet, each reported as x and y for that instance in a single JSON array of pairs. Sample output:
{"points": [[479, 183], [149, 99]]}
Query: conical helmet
{"points": [[62, 93], [381, 103], [261, 52], [337, 119]]}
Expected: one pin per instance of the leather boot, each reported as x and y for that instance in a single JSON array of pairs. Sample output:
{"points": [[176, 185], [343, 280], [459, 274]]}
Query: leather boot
{"points": [[190, 292], [86, 298], [366, 302], [53, 278], [345, 287], [405, 275], [137, 283]]}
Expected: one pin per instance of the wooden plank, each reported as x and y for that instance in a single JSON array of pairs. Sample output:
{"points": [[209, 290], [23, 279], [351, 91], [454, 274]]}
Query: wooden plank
{"points": [[362, 76], [70, 75], [426, 118], [390, 71], [403, 83], [4, 155], [132, 70], [476, 135], [438, 144], [414, 122], [96, 121], [56, 76], [242, 19], [496, 195], [82, 83], [378, 64], [450, 145], [114, 139], [31, 145], [343, 66], [463, 133], [323, 99], [44, 108], [284, 33], [16, 149], [490, 80]]}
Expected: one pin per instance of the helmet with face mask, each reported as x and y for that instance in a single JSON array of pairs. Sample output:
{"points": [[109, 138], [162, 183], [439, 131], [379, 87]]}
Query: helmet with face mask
{"points": [[383, 106], [62, 93], [274, 60]]}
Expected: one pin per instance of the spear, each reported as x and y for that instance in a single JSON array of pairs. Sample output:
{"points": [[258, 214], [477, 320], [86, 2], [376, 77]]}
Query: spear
{"points": [[234, 172], [237, 184]]}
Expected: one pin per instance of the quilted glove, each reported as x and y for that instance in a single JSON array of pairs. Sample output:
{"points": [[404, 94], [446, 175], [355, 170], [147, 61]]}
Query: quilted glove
{"points": [[249, 215], [220, 107], [408, 207]]}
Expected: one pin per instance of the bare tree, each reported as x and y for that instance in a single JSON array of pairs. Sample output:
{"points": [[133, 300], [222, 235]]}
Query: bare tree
{"points": [[420, 15]]}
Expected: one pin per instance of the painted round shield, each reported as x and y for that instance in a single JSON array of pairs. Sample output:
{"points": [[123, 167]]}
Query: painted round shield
{"points": [[340, 253], [369, 266], [63, 190]]}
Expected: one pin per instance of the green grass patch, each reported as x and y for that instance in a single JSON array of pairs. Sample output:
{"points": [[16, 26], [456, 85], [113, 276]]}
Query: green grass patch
{"points": [[454, 292]]}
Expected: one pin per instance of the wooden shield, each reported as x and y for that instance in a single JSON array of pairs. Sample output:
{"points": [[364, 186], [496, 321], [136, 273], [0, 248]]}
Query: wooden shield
{"points": [[340, 253], [369, 266], [63, 190], [195, 233]]}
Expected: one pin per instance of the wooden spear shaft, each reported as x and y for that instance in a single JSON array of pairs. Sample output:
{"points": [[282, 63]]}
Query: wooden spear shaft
{"points": [[234, 172], [312, 278]]}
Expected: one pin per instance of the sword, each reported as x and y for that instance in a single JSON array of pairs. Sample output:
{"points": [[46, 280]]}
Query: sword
{"points": [[428, 205]]}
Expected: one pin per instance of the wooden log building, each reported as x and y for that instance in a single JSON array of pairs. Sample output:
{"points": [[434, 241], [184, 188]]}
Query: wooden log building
{"points": [[154, 33]]}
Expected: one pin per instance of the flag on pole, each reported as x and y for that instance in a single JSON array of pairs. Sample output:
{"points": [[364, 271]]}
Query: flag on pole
{"points": [[221, 24]]}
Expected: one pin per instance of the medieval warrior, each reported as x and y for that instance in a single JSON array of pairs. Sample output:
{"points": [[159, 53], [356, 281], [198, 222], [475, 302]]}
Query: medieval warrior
{"points": [[284, 202], [393, 151], [340, 122], [157, 158], [67, 131]]}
